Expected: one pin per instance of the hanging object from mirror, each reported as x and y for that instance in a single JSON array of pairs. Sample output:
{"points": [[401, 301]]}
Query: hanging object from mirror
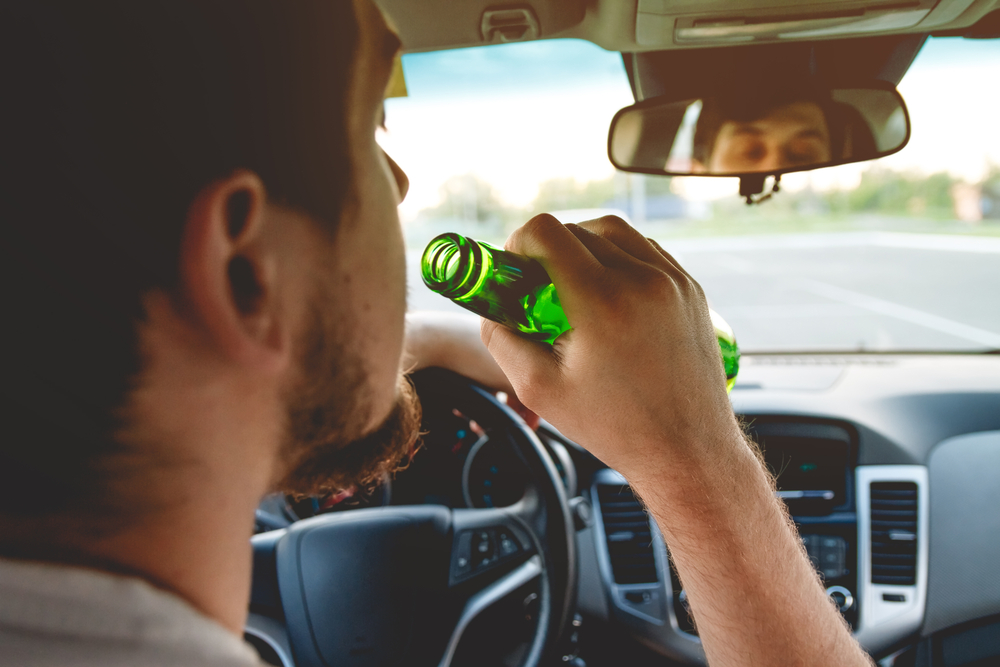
{"points": [[752, 187], [759, 129]]}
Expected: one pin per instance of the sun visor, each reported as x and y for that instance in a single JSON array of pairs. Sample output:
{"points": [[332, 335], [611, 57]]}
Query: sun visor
{"points": [[692, 23], [397, 80]]}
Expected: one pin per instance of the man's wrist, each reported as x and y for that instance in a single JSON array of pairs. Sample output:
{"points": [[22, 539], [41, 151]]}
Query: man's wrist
{"points": [[703, 481]]}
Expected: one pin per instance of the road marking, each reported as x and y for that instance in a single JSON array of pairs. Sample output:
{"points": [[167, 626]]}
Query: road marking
{"points": [[823, 241], [905, 313], [789, 311]]}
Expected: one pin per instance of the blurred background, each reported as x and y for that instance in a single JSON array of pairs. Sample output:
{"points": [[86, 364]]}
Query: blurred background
{"points": [[897, 254]]}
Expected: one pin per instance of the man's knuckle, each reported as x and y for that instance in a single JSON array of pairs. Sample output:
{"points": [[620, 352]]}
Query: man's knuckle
{"points": [[541, 224], [614, 221], [536, 231], [610, 227], [656, 284], [690, 286]]}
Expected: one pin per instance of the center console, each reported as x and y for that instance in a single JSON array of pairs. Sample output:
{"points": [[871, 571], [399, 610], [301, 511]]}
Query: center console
{"points": [[814, 466]]}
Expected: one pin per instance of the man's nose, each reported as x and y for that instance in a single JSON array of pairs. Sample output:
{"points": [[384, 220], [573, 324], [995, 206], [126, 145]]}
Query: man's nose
{"points": [[402, 182], [772, 161]]}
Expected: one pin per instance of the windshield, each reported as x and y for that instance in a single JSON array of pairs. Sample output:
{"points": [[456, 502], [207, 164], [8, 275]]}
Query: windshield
{"points": [[898, 254]]}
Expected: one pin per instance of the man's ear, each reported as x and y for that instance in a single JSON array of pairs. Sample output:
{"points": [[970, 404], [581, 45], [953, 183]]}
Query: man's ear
{"points": [[228, 272]]}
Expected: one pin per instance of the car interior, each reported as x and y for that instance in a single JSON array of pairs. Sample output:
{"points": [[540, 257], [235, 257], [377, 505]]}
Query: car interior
{"points": [[507, 545]]}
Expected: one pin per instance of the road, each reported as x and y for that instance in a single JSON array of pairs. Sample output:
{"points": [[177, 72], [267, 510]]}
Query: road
{"points": [[869, 291]]}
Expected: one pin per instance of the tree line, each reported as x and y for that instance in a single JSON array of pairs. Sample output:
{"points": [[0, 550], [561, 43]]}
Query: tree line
{"points": [[470, 199]]}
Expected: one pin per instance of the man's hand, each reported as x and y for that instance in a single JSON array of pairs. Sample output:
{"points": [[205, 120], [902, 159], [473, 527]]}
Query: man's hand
{"points": [[639, 382], [639, 379]]}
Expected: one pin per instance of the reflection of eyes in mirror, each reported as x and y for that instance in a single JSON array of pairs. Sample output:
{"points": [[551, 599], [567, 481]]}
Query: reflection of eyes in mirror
{"points": [[792, 135]]}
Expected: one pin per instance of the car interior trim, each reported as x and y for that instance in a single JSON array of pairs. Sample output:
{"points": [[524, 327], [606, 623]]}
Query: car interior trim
{"points": [[963, 583], [890, 613], [649, 25], [661, 632]]}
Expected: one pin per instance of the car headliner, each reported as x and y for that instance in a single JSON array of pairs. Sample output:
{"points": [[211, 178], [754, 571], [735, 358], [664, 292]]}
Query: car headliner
{"points": [[652, 25]]}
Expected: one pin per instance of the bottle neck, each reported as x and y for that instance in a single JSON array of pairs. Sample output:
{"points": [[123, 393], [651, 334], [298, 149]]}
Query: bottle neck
{"points": [[455, 266]]}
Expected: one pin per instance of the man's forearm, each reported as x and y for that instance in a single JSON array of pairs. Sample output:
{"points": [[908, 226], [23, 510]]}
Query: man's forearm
{"points": [[754, 594], [452, 341], [638, 381]]}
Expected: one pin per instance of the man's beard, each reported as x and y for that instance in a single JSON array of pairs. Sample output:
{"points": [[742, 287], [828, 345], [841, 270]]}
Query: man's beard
{"points": [[327, 449]]}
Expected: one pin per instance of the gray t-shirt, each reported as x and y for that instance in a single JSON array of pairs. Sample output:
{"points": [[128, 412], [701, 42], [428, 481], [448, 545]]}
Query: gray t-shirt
{"points": [[62, 616]]}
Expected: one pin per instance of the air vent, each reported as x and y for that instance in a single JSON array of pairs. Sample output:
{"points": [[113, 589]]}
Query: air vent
{"points": [[894, 533], [630, 541]]}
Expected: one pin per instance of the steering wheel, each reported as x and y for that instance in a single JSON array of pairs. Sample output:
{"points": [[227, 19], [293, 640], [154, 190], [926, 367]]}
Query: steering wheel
{"points": [[401, 585]]}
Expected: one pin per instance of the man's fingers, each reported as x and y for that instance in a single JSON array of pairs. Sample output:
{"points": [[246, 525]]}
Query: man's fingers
{"points": [[631, 241], [568, 262], [607, 252], [531, 367]]}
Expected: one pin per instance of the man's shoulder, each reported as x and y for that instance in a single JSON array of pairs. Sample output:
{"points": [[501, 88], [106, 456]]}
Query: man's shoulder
{"points": [[59, 615]]}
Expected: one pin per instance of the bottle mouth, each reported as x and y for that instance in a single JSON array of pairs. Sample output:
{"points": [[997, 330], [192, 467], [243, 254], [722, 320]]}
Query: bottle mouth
{"points": [[451, 263]]}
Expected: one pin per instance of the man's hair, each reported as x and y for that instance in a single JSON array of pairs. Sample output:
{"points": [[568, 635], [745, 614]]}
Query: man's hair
{"points": [[115, 115]]}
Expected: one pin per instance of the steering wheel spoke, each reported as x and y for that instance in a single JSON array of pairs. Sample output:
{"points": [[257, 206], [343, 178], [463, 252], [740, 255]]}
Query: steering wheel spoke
{"points": [[489, 542], [528, 571]]}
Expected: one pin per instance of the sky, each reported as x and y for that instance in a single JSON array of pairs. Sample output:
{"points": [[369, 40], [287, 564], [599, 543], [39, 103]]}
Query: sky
{"points": [[519, 114]]}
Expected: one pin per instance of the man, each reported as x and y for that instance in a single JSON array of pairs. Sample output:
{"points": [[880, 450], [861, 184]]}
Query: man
{"points": [[205, 292]]}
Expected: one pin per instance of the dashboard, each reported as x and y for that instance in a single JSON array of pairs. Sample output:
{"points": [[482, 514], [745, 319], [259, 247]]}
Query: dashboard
{"points": [[890, 468]]}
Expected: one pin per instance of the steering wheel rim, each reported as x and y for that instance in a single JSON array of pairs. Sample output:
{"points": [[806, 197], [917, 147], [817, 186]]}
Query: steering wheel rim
{"points": [[558, 537], [406, 587]]}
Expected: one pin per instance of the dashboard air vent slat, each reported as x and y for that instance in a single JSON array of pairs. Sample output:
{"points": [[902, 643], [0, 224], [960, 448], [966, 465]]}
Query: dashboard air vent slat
{"points": [[894, 533], [629, 538]]}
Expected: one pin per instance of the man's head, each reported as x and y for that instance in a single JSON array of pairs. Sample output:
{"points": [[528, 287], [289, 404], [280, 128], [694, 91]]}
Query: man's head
{"points": [[203, 267]]}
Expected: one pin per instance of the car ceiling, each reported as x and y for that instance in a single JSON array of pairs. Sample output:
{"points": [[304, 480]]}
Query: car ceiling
{"points": [[656, 25]]}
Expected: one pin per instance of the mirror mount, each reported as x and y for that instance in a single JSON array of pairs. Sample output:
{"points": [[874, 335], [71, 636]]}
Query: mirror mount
{"points": [[752, 185]]}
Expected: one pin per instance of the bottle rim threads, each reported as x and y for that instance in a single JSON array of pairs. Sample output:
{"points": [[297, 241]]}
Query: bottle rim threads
{"points": [[455, 266]]}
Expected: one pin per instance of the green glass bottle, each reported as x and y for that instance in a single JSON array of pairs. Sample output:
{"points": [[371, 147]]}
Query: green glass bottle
{"points": [[515, 291]]}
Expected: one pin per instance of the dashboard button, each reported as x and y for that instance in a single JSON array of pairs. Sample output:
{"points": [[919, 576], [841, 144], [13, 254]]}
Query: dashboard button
{"points": [[484, 548], [507, 545], [463, 555], [829, 555]]}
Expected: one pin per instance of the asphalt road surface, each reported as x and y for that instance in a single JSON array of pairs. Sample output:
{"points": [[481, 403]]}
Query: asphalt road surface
{"points": [[836, 292]]}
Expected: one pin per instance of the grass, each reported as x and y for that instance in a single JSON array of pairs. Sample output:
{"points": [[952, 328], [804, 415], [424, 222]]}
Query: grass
{"points": [[762, 222], [748, 221]]}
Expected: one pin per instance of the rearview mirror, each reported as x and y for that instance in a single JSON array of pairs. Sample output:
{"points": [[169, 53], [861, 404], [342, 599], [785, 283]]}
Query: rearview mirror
{"points": [[759, 128]]}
